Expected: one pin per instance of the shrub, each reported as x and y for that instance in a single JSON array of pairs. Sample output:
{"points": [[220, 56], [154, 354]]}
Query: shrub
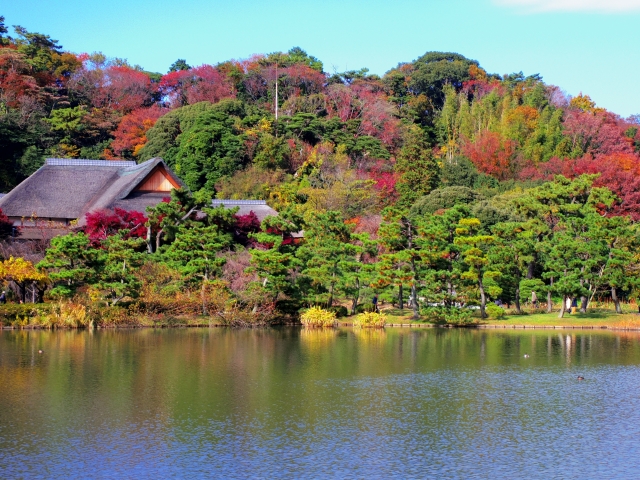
{"points": [[494, 311], [318, 317], [365, 307], [370, 319], [340, 311], [68, 314], [448, 315], [16, 313]]}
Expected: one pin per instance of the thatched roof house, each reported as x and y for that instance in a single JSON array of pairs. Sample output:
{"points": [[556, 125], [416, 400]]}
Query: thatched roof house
{"points": [[60, 193], [245, 207], [64, 190]]}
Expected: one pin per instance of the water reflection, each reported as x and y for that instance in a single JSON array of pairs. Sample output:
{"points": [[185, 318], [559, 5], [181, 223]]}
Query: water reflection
{"points": [[294, 402]]}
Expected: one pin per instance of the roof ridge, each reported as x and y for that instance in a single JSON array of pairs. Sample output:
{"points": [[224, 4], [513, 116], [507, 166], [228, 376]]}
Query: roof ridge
{"points": [[64, 162]]}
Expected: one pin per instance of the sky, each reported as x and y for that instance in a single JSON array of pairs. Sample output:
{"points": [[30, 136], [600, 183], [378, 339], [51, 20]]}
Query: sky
{"points": [[588, 46]]}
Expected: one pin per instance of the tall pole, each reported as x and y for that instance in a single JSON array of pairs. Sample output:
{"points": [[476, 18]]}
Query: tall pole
{"points": [[276, 99]]}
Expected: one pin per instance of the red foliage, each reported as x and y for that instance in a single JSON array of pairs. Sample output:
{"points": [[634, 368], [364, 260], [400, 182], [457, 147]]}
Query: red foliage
{"points": [[117, 87], [492, 154], [481, 87], [369, 104], [104, 223], [6, 226], [246, 224], [16, 83], [131, 134], [619, 172], [204, 83], [597, 133]]}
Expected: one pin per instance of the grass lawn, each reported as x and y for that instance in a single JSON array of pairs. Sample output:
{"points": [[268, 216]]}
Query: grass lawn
{"points": [[597, 317]]}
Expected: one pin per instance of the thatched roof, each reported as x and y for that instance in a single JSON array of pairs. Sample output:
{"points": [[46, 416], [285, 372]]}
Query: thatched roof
{"points": [[259, 207], [69, 188]]}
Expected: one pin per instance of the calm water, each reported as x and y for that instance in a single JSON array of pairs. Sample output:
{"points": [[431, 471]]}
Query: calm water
{"points": [[292, 403]]}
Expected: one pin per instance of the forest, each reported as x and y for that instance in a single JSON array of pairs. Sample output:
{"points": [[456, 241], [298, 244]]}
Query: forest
{"points": [[436, 186]]}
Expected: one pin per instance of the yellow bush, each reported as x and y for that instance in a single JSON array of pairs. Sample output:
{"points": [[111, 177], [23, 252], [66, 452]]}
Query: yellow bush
{"points": [[67, 314], [370, 320], [318, 317]]}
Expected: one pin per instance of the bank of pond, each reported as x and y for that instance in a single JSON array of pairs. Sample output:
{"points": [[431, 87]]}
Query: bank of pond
{"points": [[61, 315]]}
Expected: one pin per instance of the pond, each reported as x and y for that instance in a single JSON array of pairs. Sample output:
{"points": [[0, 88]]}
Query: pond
{"points": [[288, 402]]}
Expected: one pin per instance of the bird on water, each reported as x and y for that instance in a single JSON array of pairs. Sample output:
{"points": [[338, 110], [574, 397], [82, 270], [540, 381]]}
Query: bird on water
{"points": [[526, 355], [40, 351], [580, 377]]}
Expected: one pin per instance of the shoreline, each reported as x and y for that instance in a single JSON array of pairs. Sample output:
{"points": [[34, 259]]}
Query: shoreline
{"points": [[347, 325]]}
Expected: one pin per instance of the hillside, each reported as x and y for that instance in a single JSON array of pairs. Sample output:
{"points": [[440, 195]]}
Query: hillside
{"points": [[349, 141]]}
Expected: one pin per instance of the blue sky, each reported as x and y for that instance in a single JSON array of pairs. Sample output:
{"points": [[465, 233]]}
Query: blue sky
{"points": [[589, 46]]}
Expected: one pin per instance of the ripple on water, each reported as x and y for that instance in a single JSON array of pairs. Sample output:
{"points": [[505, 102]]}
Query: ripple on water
{"points": [[244, 406]]}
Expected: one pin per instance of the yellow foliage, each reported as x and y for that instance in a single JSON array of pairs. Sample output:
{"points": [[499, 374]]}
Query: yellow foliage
{"points": [[20, 270], [318, 317], [584, 103], [370, 320], [315, 338]]}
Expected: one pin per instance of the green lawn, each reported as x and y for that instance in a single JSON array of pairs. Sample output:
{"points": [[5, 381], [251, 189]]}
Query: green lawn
{"points": [[595, 317]]}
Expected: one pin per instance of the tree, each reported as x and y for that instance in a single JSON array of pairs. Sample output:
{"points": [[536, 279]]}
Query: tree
{"points": [[131, 134], [166, 217], [102, 224], [119, 262], [179, 65], [71, 262], [324, 253], [400, 260], [21, 272], [416, 168], [474, 254], [276, 263], [512, 254], [194, 252]]}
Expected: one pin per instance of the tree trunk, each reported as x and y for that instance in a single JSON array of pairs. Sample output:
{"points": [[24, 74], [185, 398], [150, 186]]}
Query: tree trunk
{"points": [[149, 240], [414, 302], [158, 238], [583, 304], [483, 300], [549, 303], [400, 297], [616, 300], [530, 268], [564, 302], [356, 297], [203, 293], [517, 296]]}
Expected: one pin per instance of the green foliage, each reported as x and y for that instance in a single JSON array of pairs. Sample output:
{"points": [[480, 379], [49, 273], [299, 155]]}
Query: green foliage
{"points": [[447, 315], [416, 167], [340, 310], [532, 285], [444, 198], [495, 311], [365, 308], [71, 262]]}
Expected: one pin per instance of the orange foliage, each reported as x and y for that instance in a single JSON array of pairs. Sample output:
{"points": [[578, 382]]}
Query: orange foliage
{"points": [[492, 154], [131, 134]]}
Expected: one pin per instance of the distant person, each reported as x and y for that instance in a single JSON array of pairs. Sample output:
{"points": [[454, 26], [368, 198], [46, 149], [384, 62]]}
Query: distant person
{"points": [[3, 297], [374, 301], [534, 299]]}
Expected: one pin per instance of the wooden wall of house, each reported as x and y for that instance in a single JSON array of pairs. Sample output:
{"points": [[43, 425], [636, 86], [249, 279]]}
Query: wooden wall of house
{"points": [[157, 182]]}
